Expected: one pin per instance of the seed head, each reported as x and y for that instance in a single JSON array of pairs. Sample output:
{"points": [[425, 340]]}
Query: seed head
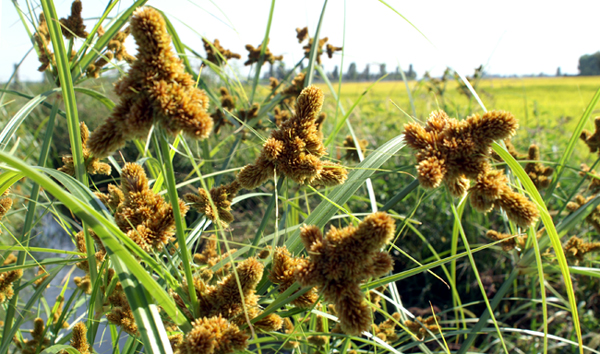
{"points": [[73, 25], [221, 198], [216, 54], [92, 164], [592, 140], [254, 55]]}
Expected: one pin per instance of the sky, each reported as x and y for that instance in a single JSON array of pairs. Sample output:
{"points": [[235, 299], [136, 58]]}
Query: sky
{"points": [[510, 37]]}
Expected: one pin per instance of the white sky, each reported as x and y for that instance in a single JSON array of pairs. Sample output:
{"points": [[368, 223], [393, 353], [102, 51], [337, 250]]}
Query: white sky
{"points": [[509, 37]]}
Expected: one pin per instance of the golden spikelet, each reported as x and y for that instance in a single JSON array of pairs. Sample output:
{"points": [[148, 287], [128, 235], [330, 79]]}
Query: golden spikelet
{"points": [[288, 327], [6, 203], [42, 39], [282, 274], [386, 330], [213, 335], [144, 216], [341, 260], [8, 278], [509, 242], [296, 86], [594, 186], [157, 89], [254, 55], [120, 313], [84, 283], [537, 172], [592, 140], [92, 164], [38, 341], [301, 34], [79, 338], [295, 150], [216, 54], [319, 341], [593, 218], [576, 248], [350, 146], [73, 26], [421, 327], [113, 198], [210, 257], [43, 274], [117, 46], [228, 103], [221, 199]]}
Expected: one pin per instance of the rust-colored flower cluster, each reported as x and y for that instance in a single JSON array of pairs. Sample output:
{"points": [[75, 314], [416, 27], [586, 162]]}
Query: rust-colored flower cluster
{"points": [[592, 140], [386, 330], [210, 258], [216, 54], [282, 273], [8, 278], [421, 327], [593, 218], [38, 341], [79, 338], [225, 299], [537, 172], [42, 39], [295, 150], [341, 260], [6, 203], [594, 186], [157, 89], [143, 215], [227, 103], [115, 49], [221, 198], [254, 55], [576, 248], [212, 335], [350, 146], [508, 241], [120, 313], [455, 152], [92, 164], [73, 26], [302, 34]]}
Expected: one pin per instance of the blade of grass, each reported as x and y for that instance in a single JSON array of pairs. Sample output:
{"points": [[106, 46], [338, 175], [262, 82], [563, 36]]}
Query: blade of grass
{"points": [[312, 56], [261, 59]]}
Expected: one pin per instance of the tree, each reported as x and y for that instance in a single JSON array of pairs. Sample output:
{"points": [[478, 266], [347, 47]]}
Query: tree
{"points": [[351, 74], [382, 70], [589, 64], [410, 74], [558, 72], [335, 75], [366, 73]]}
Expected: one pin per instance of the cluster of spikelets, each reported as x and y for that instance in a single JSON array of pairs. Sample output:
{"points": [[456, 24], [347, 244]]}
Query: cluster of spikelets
{"points": [[120, 312], [6, 203], [38, 341], [455, 152], [92, 164], [115, 49], [592, 140], [576, 248], [509, 242], [8, 278], [73, 26], [216, 204], [254, 55], [386, 330], [282, 273], [302, 35], [84, 283], [156, 90], [593, 218], [209, 257], [141, 214], [216, 54], [227, 103], [586, 171], [351, 151], [339, 261], [295, 150], [423, 327], [42, 40], [537, 172]]}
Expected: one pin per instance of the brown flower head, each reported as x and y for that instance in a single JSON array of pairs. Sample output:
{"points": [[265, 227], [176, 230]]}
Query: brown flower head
{"points": [[288, 327], [593, 218], [453, 151], [221, 199], [73, 26], [421, 327], [332, 49], [509, 242], [157, 89], [42, 39], [143, 215], [210, 258], [6, 203], [491, 190], [296, 87], [43, 274], [319, 341], [301, 34], [225, 298], [295, 150], [116, 45], [592, 140], [254, 55], [228, 103], [37, 343], [282, 274], [319, 48], [79, 338], [113, 198], [537, 172], [8, 278], [350, 146], [60, 300], [576, 248], [93, 70], [216, 54], [594, 186], [281, 115], [213, 335], [341, 260], [81, 247], [386, 330], [92, 164], [84, 283]]}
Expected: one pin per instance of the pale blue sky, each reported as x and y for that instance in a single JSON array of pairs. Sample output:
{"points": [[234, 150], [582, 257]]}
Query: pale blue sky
{"points": [[511, 36]]}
